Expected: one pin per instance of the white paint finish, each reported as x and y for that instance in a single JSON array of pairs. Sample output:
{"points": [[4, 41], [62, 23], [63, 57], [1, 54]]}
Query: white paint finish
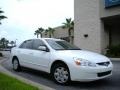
{"points": [[86, 71], [40, 59]]}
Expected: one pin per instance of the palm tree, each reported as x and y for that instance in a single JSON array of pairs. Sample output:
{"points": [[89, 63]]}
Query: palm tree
{"points": [[46, 32], [36, 33], [39, 31], [50, 31], [6, 43], [2, 16], [69, 24], [3, 40], [12, 43]]}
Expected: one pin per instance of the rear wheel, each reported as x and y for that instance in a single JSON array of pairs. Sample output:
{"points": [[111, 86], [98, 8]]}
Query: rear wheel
{"points": [[60, 74], [16, 65]]}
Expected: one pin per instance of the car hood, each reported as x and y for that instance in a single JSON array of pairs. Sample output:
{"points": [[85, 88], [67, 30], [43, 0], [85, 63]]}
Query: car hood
{"points": [[83, 54]]}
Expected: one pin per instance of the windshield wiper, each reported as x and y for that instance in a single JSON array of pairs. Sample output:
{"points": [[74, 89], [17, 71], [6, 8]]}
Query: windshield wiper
{"points": [[74, 49], [60, 49], [67, 49]]}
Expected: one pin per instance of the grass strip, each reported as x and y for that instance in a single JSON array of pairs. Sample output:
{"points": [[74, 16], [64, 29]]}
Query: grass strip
{"points": [[10, 83]]}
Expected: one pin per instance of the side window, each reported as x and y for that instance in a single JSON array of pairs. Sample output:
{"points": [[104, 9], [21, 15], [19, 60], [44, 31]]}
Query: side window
{"points": [[26, 44], [22, 45], [38, 43]]}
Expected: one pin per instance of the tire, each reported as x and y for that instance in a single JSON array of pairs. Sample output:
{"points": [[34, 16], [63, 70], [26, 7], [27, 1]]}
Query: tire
{"points": [[16, 65], [60, 74]]}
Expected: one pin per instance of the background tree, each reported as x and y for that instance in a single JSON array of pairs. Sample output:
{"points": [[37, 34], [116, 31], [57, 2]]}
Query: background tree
{"points": [[2, 16], [6, 43], [69, 24], [12, 43], [50, 32], [39, 32], [36, 33], [3, 40], [46, 32]]}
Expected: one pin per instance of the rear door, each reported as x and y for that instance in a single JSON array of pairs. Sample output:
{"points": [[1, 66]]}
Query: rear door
{"points": [[25, 53]]}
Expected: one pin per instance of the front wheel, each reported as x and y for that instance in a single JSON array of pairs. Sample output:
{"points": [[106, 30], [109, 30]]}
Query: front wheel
{"points": [[60, 74], [16, 65]]}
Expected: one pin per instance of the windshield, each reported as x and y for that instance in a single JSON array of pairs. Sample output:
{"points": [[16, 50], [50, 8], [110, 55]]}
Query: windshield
{"points": [[61, 45]]}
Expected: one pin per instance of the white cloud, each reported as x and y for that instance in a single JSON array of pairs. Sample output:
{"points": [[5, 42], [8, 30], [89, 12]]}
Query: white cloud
{"points": [[3, 33], [25, 16]]}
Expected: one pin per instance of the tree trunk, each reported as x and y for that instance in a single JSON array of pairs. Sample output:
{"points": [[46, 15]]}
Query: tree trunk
{"points": [[50, 36], [69, 35], [37, 35], [41, 35]]}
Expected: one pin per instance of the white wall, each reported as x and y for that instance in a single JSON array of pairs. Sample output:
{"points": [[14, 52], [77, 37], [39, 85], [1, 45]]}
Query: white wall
{"points": [[87, 21]]}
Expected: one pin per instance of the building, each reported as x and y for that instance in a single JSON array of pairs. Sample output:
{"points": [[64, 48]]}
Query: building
{"points": [[61, 33], [97, 24], [58, 33]]}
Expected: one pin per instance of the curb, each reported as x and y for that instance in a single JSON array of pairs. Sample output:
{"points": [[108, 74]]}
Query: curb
{"points": [[27, 81]]}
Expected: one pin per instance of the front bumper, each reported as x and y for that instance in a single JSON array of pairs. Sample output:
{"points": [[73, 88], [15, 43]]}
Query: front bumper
{"points": [[83, 73]]}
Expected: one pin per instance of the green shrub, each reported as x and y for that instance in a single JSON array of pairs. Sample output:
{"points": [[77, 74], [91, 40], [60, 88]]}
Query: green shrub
{"points": [[113, 51]]}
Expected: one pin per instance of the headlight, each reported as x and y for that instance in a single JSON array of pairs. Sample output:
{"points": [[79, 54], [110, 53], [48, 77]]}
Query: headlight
{"points": [[82, 62]]}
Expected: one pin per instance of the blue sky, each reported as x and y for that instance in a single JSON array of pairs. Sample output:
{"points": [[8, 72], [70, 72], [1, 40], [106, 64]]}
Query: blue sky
{"points": [[25, 16]]}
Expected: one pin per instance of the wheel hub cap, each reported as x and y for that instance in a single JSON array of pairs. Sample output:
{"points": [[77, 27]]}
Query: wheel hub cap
{"points": [[15, 64], [61, 75]]}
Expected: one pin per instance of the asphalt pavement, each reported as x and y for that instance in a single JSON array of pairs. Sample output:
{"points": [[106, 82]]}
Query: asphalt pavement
{"points": [[111, 83]]}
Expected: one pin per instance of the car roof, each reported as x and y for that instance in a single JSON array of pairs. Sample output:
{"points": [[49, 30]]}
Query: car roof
{"points": [[55, 39], [45, 39]]}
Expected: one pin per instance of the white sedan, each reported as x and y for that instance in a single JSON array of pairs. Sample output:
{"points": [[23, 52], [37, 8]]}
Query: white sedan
{"points": [[65, 62]]}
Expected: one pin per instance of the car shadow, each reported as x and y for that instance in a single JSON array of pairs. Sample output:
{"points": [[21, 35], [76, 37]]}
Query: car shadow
{"points": [[36, 73], [90, 85], [80, 85], [111, 83]]}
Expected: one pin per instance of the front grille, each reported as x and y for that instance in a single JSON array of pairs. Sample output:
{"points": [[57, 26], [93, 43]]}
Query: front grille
{"points": [[104, 63], [103, 73]]}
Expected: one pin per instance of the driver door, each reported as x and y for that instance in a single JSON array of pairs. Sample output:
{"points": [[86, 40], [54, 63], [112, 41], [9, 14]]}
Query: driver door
{"points": [[40, 59]]}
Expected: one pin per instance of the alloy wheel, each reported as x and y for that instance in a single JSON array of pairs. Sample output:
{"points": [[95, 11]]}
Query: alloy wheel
{"points": [[61, 75]]}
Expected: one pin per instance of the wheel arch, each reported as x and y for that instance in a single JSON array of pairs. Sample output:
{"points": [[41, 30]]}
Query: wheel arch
{"points": [[14, 58], [57, 62]]}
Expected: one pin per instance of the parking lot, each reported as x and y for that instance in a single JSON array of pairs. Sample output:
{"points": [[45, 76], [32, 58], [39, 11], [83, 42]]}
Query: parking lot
{"points": [[111, 83]]}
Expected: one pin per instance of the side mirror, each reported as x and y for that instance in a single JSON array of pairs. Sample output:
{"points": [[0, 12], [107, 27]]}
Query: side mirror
{"points": [[43, 48]]}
